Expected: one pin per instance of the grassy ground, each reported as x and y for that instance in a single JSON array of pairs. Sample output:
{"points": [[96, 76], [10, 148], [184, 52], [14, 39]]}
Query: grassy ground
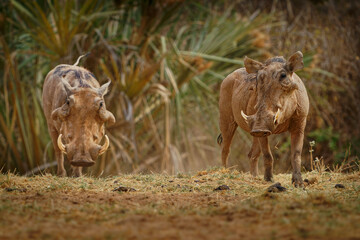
{"points": [[179, 207]]}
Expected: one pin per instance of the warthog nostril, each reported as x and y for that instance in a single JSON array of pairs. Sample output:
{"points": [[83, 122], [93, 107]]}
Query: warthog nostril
{"points": [[260, 133], [82, 163]]}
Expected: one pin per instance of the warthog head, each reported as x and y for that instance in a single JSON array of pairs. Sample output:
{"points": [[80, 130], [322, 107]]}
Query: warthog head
{"points": [[82, 120], [275, 86]]}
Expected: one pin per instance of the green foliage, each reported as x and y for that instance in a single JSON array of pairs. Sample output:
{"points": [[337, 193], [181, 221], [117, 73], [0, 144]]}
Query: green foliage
{"points": [[55, 28], [326, 135]]}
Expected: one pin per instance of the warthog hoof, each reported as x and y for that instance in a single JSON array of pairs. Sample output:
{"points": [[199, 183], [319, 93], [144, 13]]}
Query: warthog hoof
{"points": [[61, 173], [82, 163], [297, 180], [268, 178]]}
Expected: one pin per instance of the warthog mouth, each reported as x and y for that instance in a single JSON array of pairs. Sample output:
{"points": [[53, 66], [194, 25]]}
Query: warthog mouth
{"points": [[82, 163], [103, 149], [260, 133]]}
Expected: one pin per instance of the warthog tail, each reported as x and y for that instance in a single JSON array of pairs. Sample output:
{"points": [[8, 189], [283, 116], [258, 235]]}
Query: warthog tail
{"points": [[78, 60], [219, 139]]}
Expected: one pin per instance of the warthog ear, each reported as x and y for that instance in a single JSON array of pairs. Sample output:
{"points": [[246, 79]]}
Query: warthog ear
{"points": [[69, 90], [295, 62], [104, 89], [59, 113], [252, 66], [64, 110], [55, 114]]}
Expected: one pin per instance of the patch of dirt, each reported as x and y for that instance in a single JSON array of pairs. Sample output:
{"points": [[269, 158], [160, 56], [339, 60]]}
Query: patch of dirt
{"points": [[170, 207]]}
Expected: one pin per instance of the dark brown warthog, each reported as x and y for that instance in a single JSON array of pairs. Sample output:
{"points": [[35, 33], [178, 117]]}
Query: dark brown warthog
{"points": [[75, 111], [265, 99]]}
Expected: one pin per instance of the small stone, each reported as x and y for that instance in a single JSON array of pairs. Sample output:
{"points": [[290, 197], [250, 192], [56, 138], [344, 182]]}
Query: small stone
{"points": [[222, 187], [9, 189], [310, 181], [339, 186], [124, 189], [199, 181], [276, 188]]}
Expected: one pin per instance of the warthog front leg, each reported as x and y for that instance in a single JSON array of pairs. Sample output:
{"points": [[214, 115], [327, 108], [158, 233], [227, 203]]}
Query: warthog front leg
{"points": [[297, 140], [254, 156], [268, 159], [61, 172], [77, 171]]}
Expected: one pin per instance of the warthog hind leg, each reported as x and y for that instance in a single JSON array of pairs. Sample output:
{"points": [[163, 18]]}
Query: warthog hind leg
{"points": [[227, 132]]}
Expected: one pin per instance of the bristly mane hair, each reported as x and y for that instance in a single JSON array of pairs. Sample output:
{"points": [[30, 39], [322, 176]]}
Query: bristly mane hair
{"points": [[275, 59]]}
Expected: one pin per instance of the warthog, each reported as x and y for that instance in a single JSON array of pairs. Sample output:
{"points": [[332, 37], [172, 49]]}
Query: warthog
{"points": [[75, 111], [263, 99]]}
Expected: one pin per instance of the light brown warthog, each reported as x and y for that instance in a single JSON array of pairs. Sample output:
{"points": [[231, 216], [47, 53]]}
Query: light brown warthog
{"points": [[265, 99], [75, 111]]}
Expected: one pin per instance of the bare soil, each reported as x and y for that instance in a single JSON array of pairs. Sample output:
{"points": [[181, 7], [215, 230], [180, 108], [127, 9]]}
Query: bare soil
{"points": [[179, 207]]}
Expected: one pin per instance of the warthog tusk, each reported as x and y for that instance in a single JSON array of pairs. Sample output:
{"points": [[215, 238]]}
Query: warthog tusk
{"points": [[60, 144], [244, 116], [277, 115], [105, 146]]}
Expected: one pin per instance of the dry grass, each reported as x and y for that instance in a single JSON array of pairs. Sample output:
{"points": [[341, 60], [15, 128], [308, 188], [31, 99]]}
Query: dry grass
{"points": [[179, 207]]}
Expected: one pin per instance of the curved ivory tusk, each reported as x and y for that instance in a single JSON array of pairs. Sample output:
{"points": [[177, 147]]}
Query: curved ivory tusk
{"points": [[60, 144], [105, 146], [244, 116], [277, 115]]}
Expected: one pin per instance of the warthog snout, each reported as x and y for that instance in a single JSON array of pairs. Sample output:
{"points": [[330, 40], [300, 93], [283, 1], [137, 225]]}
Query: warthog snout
{"points": [[259, 126], [83, 155], [260, 133], [82, 162]]}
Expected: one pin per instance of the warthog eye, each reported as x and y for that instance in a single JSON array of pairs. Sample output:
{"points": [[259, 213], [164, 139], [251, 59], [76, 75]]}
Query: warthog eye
{"points": [[68, 102], [101, 105], [282, 75], [95, 137]]}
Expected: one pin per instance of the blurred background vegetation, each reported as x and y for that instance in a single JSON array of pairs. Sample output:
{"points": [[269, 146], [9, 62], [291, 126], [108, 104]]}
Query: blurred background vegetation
{"points": [[166, 60]]}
